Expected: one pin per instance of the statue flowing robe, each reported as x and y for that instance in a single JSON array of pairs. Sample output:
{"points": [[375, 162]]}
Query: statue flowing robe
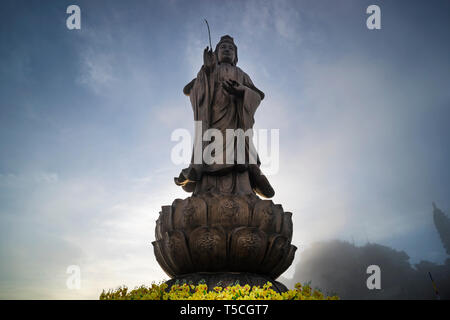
{"points": [[217, 109]]}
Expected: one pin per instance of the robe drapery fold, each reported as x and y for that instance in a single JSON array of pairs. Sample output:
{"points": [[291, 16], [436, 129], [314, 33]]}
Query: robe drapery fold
{"points": [[217, 109]]}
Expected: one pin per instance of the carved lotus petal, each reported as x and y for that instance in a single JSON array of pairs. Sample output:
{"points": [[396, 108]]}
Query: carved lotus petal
{"points": [[189, 214], [229, 212], [208, 248], [165, 219], [177, 252], [284, 264], [286, 229], [158, 233], [247, 248], [277, 251], [267, 216], [161, 258]]}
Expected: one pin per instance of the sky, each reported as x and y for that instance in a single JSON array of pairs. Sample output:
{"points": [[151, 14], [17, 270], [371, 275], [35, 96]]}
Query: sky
{"points": [[86, 118]]}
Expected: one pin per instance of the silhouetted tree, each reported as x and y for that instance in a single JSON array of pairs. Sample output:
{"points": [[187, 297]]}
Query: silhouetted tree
{"points": [[340, 267]]}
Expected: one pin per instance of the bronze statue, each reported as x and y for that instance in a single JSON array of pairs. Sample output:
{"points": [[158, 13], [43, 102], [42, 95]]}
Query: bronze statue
{"points": [[224, 97], [224, 232]]}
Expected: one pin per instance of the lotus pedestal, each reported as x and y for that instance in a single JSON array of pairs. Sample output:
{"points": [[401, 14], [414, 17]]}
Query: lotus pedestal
{"points": [[221, 239]]}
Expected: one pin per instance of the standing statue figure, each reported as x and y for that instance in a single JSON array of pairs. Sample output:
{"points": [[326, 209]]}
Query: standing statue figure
{"points": [[224, 97], [224, 232]]}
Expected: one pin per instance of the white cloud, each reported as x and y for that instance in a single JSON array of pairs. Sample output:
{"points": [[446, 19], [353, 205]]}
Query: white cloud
{"points": [[98, 72], [105, 230], [343, 169], [262, 17]]}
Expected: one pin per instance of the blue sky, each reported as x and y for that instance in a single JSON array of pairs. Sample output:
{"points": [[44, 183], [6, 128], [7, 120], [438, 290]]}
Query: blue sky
{"points": [[86, 118]]}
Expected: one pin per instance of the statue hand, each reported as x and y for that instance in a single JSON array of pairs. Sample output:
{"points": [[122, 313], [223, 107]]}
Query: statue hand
{"points": [[208, 58], [234, 88]]}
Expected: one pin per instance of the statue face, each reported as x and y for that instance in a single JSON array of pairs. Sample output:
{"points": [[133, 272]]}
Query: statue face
{"points": [[226, 52]]}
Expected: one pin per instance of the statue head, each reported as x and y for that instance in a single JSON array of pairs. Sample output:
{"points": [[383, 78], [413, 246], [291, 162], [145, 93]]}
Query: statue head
{"points": [[226, 50]]}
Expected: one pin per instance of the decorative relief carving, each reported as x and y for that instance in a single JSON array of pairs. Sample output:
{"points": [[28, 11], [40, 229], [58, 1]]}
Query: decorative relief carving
{"points": [[218, 234]]}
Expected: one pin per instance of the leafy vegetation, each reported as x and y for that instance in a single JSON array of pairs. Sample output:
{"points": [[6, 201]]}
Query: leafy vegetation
{"points": [[200, 292]]}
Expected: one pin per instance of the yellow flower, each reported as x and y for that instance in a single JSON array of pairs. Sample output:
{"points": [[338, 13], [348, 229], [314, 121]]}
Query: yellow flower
{"points": [[200, 292]]}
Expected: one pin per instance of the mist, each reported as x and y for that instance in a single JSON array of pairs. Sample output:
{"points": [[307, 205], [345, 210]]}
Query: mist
{"points": [[339, 267]]}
